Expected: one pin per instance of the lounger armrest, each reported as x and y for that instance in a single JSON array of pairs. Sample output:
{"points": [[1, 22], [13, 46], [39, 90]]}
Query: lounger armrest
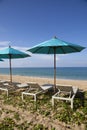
{"points": [[75, 89], [56, 94], [73, 96], [22, 85], [46, 87]]}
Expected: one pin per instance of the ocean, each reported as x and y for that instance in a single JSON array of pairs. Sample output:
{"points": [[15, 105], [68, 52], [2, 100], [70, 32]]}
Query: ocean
{"points": [[76, 73]]}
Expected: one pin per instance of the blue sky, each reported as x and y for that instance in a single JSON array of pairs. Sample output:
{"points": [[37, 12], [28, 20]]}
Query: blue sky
{"points": [[25, 23]]}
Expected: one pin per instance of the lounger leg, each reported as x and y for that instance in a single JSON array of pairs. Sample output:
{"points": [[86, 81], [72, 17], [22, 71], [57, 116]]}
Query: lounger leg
{"points": [[7, 93], [35, 98], [71, 104], [22, 96], [52, 101]]}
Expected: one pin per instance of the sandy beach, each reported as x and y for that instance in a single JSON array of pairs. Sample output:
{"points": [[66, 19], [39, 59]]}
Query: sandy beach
{"points": [[81, 84]]}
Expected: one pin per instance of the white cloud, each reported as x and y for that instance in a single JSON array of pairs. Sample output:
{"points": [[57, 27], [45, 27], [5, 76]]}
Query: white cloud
{"points": [[36, 60], [43, 60], [44, 57], [4, 43], [20, 48]]}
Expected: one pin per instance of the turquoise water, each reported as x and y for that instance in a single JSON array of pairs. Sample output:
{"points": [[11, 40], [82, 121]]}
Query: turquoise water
{"points": [[76, 73]]}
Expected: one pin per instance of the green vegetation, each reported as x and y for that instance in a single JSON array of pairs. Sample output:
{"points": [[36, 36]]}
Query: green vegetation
{"points": [[62, 112], [16, 116]]}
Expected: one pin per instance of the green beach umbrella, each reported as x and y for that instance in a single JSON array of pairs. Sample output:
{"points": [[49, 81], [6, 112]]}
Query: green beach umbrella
{"points": [[55, 46], [11, 53], [1, 59]]}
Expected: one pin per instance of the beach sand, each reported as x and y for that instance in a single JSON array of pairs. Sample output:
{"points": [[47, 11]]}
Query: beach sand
{"points": [[81, 84]]}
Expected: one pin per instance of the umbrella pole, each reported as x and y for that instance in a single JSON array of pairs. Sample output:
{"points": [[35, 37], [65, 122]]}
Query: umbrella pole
{"points": [[54, 69], [10, 68]]}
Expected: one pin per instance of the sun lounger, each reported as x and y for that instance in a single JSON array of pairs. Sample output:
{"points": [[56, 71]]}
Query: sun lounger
{"points": [[22, 85], [36, 89], [4, 87], [66, 93], [7, 86], [4, 81]]}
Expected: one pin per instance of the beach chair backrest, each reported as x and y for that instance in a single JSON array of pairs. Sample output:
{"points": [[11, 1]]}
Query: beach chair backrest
{"points": [[34, 85], [65, 88], [75, 89]]}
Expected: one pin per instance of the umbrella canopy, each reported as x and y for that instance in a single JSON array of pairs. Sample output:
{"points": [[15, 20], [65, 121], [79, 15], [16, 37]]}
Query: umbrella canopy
{"points": [[11, 53], [55, 46], [1, 59]]}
